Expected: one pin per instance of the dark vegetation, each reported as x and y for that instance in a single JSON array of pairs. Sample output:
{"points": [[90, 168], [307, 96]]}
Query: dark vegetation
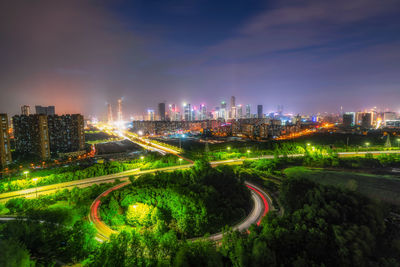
{"points": [[321, 225]]}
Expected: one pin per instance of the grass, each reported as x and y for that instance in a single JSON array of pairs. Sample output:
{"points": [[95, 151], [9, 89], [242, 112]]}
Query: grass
{"points": [[380, 187]]}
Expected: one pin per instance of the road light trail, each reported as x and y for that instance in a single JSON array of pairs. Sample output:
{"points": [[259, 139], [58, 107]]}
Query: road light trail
{"points": [[260, 209]]}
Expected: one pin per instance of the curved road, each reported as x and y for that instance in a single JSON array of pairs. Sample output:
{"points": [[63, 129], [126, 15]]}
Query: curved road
{"points": [[262, 203]]}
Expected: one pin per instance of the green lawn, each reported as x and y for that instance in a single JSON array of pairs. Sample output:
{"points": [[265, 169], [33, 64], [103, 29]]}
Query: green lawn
{"points": [[382, 187]]}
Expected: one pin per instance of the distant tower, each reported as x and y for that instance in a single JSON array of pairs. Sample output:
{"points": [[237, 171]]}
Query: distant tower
{"points": [[109, 114], [233, 107], [248, 111], [26, 110], [119, 113], [161, 111], [260, 114]]}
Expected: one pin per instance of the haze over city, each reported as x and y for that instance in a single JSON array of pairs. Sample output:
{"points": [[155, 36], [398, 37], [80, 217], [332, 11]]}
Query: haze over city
{"points": [[310, 56]]}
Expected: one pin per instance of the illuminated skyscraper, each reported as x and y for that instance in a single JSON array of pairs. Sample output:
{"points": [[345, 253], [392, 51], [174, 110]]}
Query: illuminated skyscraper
{"points": [[25, 110], [150, 114], [119, 113], [248, 111], [203, 112], [239, 112], [5, 149], [233, 108], [188, 112], [222, 111], [109, 114]]}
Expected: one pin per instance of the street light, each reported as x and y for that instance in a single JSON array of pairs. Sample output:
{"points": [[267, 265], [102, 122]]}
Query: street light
{"points": [[308, 144], [142, 158], [35, 180], [398, 142], [367, 144], [26, 174], [229, 148], [180, 161], [248, 152]]}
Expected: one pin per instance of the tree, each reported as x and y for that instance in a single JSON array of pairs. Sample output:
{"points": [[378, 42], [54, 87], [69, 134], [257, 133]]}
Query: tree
{"points": [[13, 254]]}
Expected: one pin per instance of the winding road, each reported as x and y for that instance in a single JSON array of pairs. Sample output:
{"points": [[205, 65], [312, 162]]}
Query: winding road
{"points": [[262, 203]]}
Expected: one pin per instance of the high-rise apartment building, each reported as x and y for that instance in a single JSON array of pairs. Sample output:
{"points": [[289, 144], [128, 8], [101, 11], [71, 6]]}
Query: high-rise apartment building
{"points": [[66, 133], [41, 135], [49, 111], [31, 135], [366, 120], [260, 114], [349, 119], [5, 149], [161, 111], [25, 110]]}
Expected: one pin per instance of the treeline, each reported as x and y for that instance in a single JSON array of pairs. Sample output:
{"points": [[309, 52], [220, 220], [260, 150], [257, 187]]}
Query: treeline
{"points": [[92, 171], [52, 229], [322, 226], [190, 202], [73, 173]]}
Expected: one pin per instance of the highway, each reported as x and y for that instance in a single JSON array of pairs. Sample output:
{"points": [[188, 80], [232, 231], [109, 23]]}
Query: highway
{"points": [[261, 205], [123, 176]]}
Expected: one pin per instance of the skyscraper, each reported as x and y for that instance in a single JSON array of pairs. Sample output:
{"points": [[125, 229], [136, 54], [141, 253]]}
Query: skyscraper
{"points": [[260, 114], [25, 110], [150, 114], [50, 110], [109, 114], [222, 111], [203, 112], [119, 112], [248, 111], [187, 112], [161, 111], [5, 149], [233, 108], [239, 111]]}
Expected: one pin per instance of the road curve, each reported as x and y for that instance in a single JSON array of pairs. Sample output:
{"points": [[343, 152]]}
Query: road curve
{"points": [[262, 204]]}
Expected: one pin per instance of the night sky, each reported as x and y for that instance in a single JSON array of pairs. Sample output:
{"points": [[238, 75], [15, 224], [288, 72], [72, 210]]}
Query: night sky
{"points": [[309, 55]]}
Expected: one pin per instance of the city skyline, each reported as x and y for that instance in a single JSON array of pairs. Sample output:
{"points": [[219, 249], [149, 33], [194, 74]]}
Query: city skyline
{"points": [[266, 53]]}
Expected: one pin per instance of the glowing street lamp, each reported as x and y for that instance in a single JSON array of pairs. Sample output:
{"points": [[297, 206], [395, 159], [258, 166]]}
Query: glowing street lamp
{"points": [[142, 158], [367, 144], [180, 161], [35, 180], [398, 142], [308, 144], [26, 174], [248, 152], [229, 148]]}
